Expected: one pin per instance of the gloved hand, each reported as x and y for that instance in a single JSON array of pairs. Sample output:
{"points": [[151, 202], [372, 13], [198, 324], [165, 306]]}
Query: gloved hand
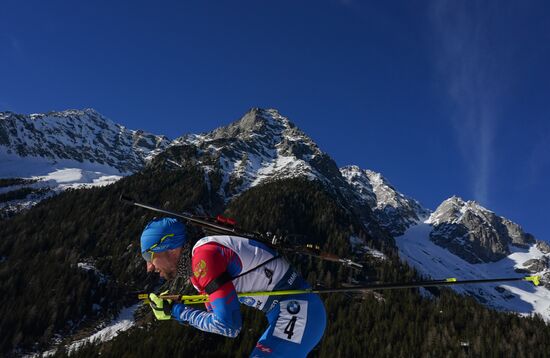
{"points": [[162, 309]]}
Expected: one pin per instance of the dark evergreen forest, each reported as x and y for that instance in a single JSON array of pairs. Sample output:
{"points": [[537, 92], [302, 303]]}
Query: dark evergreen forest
{"points": [[46, 291]]}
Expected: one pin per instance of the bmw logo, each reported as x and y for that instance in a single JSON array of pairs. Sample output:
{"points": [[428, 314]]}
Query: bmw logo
{"points": [[249, 301], [293, 307]]}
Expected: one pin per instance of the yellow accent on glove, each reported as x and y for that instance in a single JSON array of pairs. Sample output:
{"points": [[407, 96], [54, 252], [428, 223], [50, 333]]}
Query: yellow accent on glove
{"points": [[162, 309]]}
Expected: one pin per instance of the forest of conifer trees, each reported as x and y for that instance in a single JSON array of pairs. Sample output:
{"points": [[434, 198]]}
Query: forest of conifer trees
{"points": [[47, 292]]}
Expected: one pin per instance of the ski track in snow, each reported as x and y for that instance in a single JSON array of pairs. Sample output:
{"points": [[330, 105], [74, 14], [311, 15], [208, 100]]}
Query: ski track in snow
{"points": [[432, 260]]}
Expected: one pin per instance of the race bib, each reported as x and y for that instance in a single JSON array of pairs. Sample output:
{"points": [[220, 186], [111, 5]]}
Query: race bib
{"points": [[292, 321]]}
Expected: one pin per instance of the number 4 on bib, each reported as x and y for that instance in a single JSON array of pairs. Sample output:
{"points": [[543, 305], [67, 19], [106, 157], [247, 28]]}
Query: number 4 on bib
{"points": [[292, 321], [290, 327]]}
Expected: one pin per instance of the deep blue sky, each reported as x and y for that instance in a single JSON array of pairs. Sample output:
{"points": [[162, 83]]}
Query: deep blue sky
{"points": [[442, 97]]}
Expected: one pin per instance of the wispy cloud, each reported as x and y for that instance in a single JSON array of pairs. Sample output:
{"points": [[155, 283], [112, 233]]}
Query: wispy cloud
{"points": [[471, 73]]}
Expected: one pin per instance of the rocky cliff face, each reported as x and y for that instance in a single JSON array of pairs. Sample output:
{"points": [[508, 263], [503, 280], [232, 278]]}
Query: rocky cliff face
{"points": [[44, 154], [543, 246], [260, 147], [395, 211], [475, 233], [83, 136], [461, 239]]}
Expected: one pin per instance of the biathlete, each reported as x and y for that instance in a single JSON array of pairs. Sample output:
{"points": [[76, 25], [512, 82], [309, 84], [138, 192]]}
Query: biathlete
{"points": [[221, 266]]}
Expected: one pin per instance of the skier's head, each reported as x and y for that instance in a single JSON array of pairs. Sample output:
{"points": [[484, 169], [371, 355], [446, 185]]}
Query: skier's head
{"points": [[162, 235]]}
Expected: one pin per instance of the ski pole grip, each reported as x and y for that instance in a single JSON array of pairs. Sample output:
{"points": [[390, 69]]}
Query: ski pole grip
{"points": [[535, 279]]}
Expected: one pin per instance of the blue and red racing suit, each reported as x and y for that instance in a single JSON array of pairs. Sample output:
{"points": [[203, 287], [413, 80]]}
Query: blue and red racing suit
{"points": [[296, 323]]}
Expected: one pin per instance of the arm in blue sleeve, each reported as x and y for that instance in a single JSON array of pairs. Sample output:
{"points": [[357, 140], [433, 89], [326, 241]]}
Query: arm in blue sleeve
{"points": [[225, 317]]}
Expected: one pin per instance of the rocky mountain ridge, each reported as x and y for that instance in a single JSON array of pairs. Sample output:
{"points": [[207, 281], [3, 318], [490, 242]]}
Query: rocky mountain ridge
{"points": [[81, 135], [395, 211], [475, 233], [261, 147], [45, 154]]}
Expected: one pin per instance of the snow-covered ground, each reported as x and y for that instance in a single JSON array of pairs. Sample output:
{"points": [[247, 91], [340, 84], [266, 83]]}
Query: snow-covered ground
{"points": [[358, 245], [53, 176], [65, 170], [123, 322], [432, 260]]}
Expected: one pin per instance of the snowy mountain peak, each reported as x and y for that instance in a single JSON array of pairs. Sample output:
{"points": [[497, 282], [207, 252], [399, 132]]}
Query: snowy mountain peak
{"points": [[262, 145], [377, 179], [70, 113], [455, 200], [475, 233], [255, 121], [267, 126], [452, 209], [455, 209], [395, 211]]}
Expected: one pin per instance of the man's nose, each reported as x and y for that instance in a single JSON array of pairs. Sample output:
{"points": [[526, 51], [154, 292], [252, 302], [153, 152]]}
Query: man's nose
{"points": [[150, 267]]}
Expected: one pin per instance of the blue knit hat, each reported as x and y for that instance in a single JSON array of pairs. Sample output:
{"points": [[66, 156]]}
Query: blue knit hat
{"points": [[168, 230]]}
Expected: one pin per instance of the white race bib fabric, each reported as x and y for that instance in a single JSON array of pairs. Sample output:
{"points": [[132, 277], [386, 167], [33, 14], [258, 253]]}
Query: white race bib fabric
{"points": [[292, 321]]}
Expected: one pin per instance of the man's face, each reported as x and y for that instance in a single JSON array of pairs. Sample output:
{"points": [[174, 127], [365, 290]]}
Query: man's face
{"points": [[165, 263]]}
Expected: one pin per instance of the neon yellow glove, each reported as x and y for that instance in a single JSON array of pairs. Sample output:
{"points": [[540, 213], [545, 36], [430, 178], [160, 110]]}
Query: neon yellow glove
{"points": [[162, 309]]}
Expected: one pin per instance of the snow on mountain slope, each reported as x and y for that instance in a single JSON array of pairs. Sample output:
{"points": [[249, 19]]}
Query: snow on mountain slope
{"points": [[475, 233], [261, 146], [33, 179], [461, 239], [107, 331], [123, 322], [395, 211], [264, 146], [84, 136], [44, 154], [430, 259]]}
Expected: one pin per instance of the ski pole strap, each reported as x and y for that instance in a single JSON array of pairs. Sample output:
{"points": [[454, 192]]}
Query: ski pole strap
{"points": [[225, 277]]}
